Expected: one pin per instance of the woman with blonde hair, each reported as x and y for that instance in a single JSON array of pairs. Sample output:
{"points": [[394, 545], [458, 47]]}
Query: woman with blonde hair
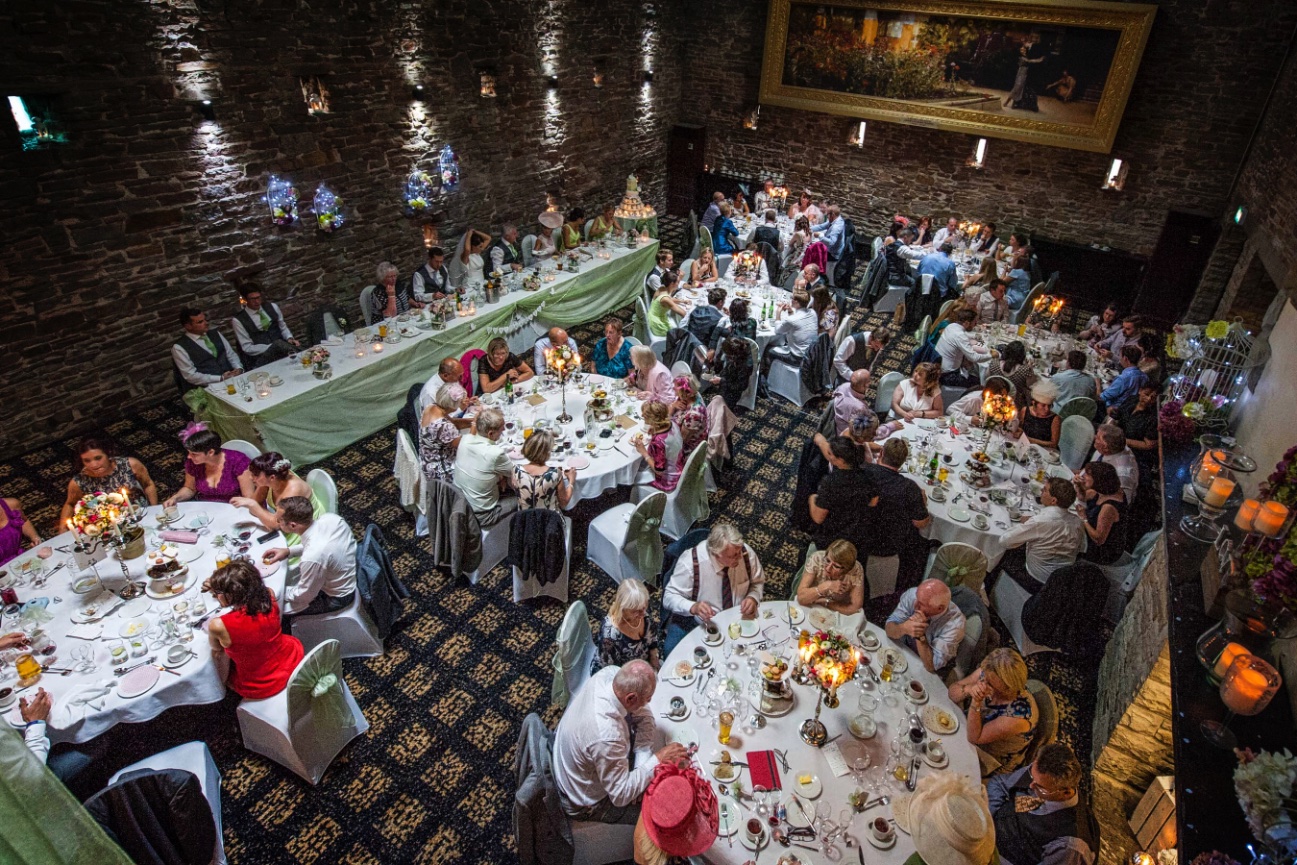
{"points": [[981, 280], [703, 270], [834, 578], [919, 396], [664, 449], [650, 378], [626, 635], [1002, 714]]}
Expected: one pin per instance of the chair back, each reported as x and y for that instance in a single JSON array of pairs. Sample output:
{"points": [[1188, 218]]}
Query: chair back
{"points": [[723, 264], [573, 654], [690, 497], [925, 327], [796, 582], [1046, 719], [828, 425], [366, 304], [959, 564], [639, 325], [324, 488], [643, 544], [886, 387], [408, 472], [844, 328], [770, 256], [977, 621], [681, 367], [749, 398], [1020, 315], [632, 341], [316, 692], [528, 244], [1051, 282], [1074, 441], [943, 313], [925, 283], [585, 232], [410, 414], [248, 449], [704, 236], [468, 363], [875, 247], [1077, 405], [686, 268]]}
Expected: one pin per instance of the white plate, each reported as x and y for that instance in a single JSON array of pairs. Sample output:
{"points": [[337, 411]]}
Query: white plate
{"points": [[729, 819], [714, 639], [748, 628], [810, 790], [157, 590], [761, 842], [268, 570], [960, 514], [133, 629], [190, 553], [823, 619], [138, 681], [735, 771], [102, 609], [683, 716], [796, 614], [796, 818], [937, 764], [930, 721], [881, 845], [198, 523], [869, 641], [578, 463], [135, 607], [681, 681], [85, 585], [909, 695], [899, 664]]}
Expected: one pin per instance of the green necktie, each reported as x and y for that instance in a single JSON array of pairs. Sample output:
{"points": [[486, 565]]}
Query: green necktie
{"points": [[211, 346], [265, 319]]}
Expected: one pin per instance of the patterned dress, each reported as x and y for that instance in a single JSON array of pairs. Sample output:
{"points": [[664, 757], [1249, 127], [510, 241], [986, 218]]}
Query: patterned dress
{"points": [[434, 450], [537, 491], [1011, 749], [693, 426], [616, 649], [122, 476]]}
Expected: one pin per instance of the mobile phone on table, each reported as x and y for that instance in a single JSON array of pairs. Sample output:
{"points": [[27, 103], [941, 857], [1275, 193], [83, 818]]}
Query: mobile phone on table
{"points": [[267, 536]]}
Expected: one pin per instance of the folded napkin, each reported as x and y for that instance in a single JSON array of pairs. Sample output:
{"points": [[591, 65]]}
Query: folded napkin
{"points": [[625, 422], [86, 632], [763, 766], [536, 399], [179, 537], [83, 701]]}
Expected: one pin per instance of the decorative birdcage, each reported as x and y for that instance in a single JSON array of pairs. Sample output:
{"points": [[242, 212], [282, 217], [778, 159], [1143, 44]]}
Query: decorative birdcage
{"points": [[420, 187], [281, 198], [448, 163], [327, 209], [1217, 359]]}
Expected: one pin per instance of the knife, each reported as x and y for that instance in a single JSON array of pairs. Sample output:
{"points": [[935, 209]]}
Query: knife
{"points": [[861, 853], [913, 780]]}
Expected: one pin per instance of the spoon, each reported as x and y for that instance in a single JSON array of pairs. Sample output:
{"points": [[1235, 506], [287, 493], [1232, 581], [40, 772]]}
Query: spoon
{"points": [[882, 800]]}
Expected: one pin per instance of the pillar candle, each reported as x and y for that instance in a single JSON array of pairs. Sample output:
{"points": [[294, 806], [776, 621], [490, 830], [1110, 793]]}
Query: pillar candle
{"points": [[1270, 519], [1218, 493], [1208, 471], [1246, 514], [1227, 656], [1245, 691]]}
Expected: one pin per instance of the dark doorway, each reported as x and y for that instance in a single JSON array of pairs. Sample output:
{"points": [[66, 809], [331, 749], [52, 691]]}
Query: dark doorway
{"points": [[1174, 271], [686, 150], [1255, 294]]}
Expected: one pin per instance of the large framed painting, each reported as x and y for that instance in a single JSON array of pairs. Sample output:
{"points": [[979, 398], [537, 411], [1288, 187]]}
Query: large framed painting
{"points": [[1055, 73]]}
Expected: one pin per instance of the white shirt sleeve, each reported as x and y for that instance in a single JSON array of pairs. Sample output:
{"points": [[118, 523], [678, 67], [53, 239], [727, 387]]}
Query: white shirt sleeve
{"points": [[972, 351], [681, 586], [310, 580], [1019, 535], [497, 258], [283, 322], [37, 742], [845, 351], [186, 366], [538, 355], [245, 342], [624, 784]]}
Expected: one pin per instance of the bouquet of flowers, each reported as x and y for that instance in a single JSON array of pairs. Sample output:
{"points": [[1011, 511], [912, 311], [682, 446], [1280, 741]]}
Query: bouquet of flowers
{"points": [[1185, 340], [1271, 565], [1045, 310], [531, 282], [1264, 786], [99, 512], [829, 657], [418, 190], [1177, 427], [562, 360], [326, 205], [316, 356], [997, 410], [281, 197]]}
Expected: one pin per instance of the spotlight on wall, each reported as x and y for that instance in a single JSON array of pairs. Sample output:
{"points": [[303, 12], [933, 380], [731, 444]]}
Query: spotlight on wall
{"points": [[598, 77], [205, 108], [315, 94], [978, 159], [1240, 215], [752, 117], [418, 93], [647, 76], [1116, 177], [857, 136]]}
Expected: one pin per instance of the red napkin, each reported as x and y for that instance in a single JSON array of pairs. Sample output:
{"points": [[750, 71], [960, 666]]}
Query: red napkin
{"points": [[179, 537], [763, 766]]}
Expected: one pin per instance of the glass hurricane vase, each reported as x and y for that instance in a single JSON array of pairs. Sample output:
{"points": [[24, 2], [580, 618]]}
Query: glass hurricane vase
{"points": [[1215, 476]]}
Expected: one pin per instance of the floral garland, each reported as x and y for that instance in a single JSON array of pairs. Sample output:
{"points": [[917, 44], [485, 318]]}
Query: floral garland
{"points": [[517, 323], [1272, 564], [1264, 784], [1185, 340]]}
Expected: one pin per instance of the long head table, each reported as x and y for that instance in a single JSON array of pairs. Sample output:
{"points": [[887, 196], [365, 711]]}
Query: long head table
{"points": [[308, 419]]}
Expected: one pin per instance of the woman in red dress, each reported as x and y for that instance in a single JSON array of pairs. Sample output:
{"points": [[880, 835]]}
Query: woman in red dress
{"points": [[264, 657]]}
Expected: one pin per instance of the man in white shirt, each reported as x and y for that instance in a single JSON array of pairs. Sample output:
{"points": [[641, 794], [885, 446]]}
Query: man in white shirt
{"points": [[762, 200], [1048, 541], [449, 371], [928, 624], [556, 336], [860, 351], [711, 577], [1110, 447], [326, 571], [260, 330], [432, 280], [665, 261], [798, 329], [949, 233], [991, 305], [1075, 381], [959, 354], [200, 357], [603, 758], [482, 467], [967, 410]]}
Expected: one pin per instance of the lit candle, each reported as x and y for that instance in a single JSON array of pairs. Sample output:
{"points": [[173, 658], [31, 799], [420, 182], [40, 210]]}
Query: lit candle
{"points": [[378, 348], [1245, 689], [127, 497], [1208, 471], [1270, 519], [71, 528], [1246, 514], [1227, 656], [1218, 493]]}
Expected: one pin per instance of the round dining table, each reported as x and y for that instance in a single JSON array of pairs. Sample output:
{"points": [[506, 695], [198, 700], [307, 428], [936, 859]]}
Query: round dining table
{"points": [[759, 294], [732, 666], [84, 618]]}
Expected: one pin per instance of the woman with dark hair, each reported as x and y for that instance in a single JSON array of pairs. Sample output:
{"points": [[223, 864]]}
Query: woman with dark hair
{"points": [[571, 236], [1101, 505], [274, 480], [796, 247], [99, 469], [1012, 365], [1103, 325], [923, 231], [826, 311], [741, 324], [734, 370], [611, 354], [212, 473], [498, 365], [263, 657]]}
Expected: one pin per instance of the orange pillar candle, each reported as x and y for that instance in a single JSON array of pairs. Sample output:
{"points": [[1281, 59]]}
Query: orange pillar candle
{"points": [[1246, 514], [1270, 519], [1227, 656], [1244, 692], [1218, 493], [1207, 471]]}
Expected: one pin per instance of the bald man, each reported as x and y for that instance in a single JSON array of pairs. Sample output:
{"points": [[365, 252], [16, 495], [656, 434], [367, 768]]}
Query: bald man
{"points": [[449, 371], [850, 398], [929, 624], [556, 336]]}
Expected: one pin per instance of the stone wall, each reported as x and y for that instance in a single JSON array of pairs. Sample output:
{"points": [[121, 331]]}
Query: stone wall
{"points": [[1200, 89], [149, 206]]}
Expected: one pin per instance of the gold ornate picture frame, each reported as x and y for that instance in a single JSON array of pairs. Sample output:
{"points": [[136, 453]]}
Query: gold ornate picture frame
{"points": [[1054, 73]]}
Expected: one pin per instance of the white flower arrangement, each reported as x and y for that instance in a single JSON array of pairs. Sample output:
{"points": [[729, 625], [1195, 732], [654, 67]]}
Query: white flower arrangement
{"points": [[1264, 785]]}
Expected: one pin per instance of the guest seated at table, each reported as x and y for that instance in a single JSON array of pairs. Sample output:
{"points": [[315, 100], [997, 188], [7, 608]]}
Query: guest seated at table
{"points": [[987, 241], [1148, 362], [1074, 381], [991, 303], [740, 205], [260, 330], [928, 624], [34, 710], [804, 206], [432, 280], [1038, 421], [13, 528], [899, 252], [950, 822], [1102, 507], [263, 655], [605, 224], [861, 350], [948, 233], [326, 570], [547, 239], [555, 336], [1002, 714], [1049, 540], [689, 412], [1103, 325], [980, 280], [713, 210], [1019, 283], [1138, 420], [449, 371], [98, 468], [765, 197], [274, 480], [200, 357], [801, 236], [725, 237], [540, 485], [572, 229], [664, 262], [499, 365], [809, 279], [967, 410], [603, 760], [960, 355], [1019, 245], [212, 473], [1060, 830], [798, 327], [439, 436], [833, 230], [733, 371], [482, 467], [850, 398], [1111, 346], [650, 379], [389, 298], [626, 635], [768, 232], [1110, 447], [503, 254], [1012, 365], [663, 449], [1125, 387], [834, 579], [826, 311], [919, 396], [703, 269], [739, 322], [664, 304], [939, 265], [706, 321], [711, 577], [611, 354], [923, 231], [468, 264], [842, 502], [860, 428]]}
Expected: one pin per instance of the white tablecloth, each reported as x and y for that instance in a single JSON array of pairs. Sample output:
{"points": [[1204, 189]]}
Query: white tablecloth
{"points": [[200, 680], [1047, 350], [782, 733], [758, 295]]}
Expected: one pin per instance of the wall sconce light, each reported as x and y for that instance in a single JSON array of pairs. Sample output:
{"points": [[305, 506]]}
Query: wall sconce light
{"points": [[487, 82], [598, 77], [1116, 178], [1239, 215], [752, 118], [857, 136], [431, 237], [315, 94], [205, 108], [978, 159], [417, 94], [551, 82], [647, 77]]}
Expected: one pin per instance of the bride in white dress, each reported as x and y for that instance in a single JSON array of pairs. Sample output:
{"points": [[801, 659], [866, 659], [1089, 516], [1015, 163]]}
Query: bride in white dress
{"points": [[465, 268]]}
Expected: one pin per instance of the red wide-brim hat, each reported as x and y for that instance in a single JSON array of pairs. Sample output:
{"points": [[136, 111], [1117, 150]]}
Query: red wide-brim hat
{"points": [[680, 812]]}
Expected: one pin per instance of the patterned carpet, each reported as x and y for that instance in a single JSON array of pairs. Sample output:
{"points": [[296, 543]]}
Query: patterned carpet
{"points": [[432, 780]]}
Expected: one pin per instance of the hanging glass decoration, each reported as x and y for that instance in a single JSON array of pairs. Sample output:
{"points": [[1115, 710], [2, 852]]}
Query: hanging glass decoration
{"points": [[420, 187], [328, 211], [281, 198], [449, 165]]}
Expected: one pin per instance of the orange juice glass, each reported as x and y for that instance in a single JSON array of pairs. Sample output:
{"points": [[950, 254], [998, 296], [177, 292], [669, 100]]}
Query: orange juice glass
{"points": [[382, 331]]}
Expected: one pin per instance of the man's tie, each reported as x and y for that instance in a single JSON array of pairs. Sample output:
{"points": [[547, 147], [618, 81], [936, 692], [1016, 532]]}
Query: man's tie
{"points": [[265, 319], [211, 346], [1024, 803], [727, 593], [630, 726]]}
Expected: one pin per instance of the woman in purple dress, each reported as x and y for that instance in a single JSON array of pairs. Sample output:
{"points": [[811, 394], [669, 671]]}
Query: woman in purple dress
{"points": [[12, 530], [212, 473]]}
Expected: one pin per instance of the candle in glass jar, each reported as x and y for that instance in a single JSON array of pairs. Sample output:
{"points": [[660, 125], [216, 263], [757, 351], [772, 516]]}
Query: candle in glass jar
{"points": [[1245, 690], [1218, 493], [1227, 656], [1270, 519], [1246, 514], [1207, 472], [378, 348]]}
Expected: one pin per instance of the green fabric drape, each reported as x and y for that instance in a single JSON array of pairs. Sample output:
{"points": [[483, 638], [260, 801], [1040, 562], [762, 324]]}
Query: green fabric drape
{"points": [[960, 565], [316, 689], [567, 653], [643, 538]]}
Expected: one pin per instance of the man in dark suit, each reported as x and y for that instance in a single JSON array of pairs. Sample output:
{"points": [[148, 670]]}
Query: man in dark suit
{"points": [[768, 232]]}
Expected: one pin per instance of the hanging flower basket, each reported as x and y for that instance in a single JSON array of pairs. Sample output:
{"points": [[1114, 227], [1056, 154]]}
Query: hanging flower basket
{"points": [[327, 208], [448, 163], [420, 187], [281, 198]]}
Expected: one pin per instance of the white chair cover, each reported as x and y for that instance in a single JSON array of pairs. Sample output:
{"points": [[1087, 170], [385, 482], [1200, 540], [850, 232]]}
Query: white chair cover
{"points": [[796, 582], [687, 503], [705, 236], [248, 449], [686, 268], [844, 327], [307, 724], [880, 574], [408, 472], [192, 757], [925, 283], [875, 247], [528, 244], [351, 627], [1046, 719], [639, 325], [626, 541], [1125, 573], [1082, 406], [585, 232], [325, 490], [749, 398], [886, 387], [367, 304], [681, 367], [723, 264], [495, 546], [573, 655], [925, 328], [1007, 599], [1074, 441], [957, 564], [556, 589], [786, 381]]}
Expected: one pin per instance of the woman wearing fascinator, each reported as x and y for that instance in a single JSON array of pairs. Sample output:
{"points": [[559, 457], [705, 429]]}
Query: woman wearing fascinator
{"points": [[212, 473], [679, 817], [274, 480]]}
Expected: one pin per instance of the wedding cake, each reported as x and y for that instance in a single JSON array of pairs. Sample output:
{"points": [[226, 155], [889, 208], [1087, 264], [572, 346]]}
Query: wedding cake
{"points": [[631, 206]]}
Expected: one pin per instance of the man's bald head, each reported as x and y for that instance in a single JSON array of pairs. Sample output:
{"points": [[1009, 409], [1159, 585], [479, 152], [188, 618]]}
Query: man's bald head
{"points": [[634, 684], [932, 598], [557, 336], [450, 370], [860, 381]]}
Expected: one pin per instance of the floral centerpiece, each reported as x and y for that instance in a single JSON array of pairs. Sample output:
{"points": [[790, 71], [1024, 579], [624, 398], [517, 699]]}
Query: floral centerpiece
{"points": [[998, 410], [563, 361], [573, 262], [1176, 427], [1045, 310], [419, 190], [531, 282], [1264, 785], [745, 266], [99, 513], [828, 660], [318, 357]]}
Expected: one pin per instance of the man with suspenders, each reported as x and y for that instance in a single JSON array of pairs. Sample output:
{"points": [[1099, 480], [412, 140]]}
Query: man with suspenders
{"points": [[713, 576]]}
